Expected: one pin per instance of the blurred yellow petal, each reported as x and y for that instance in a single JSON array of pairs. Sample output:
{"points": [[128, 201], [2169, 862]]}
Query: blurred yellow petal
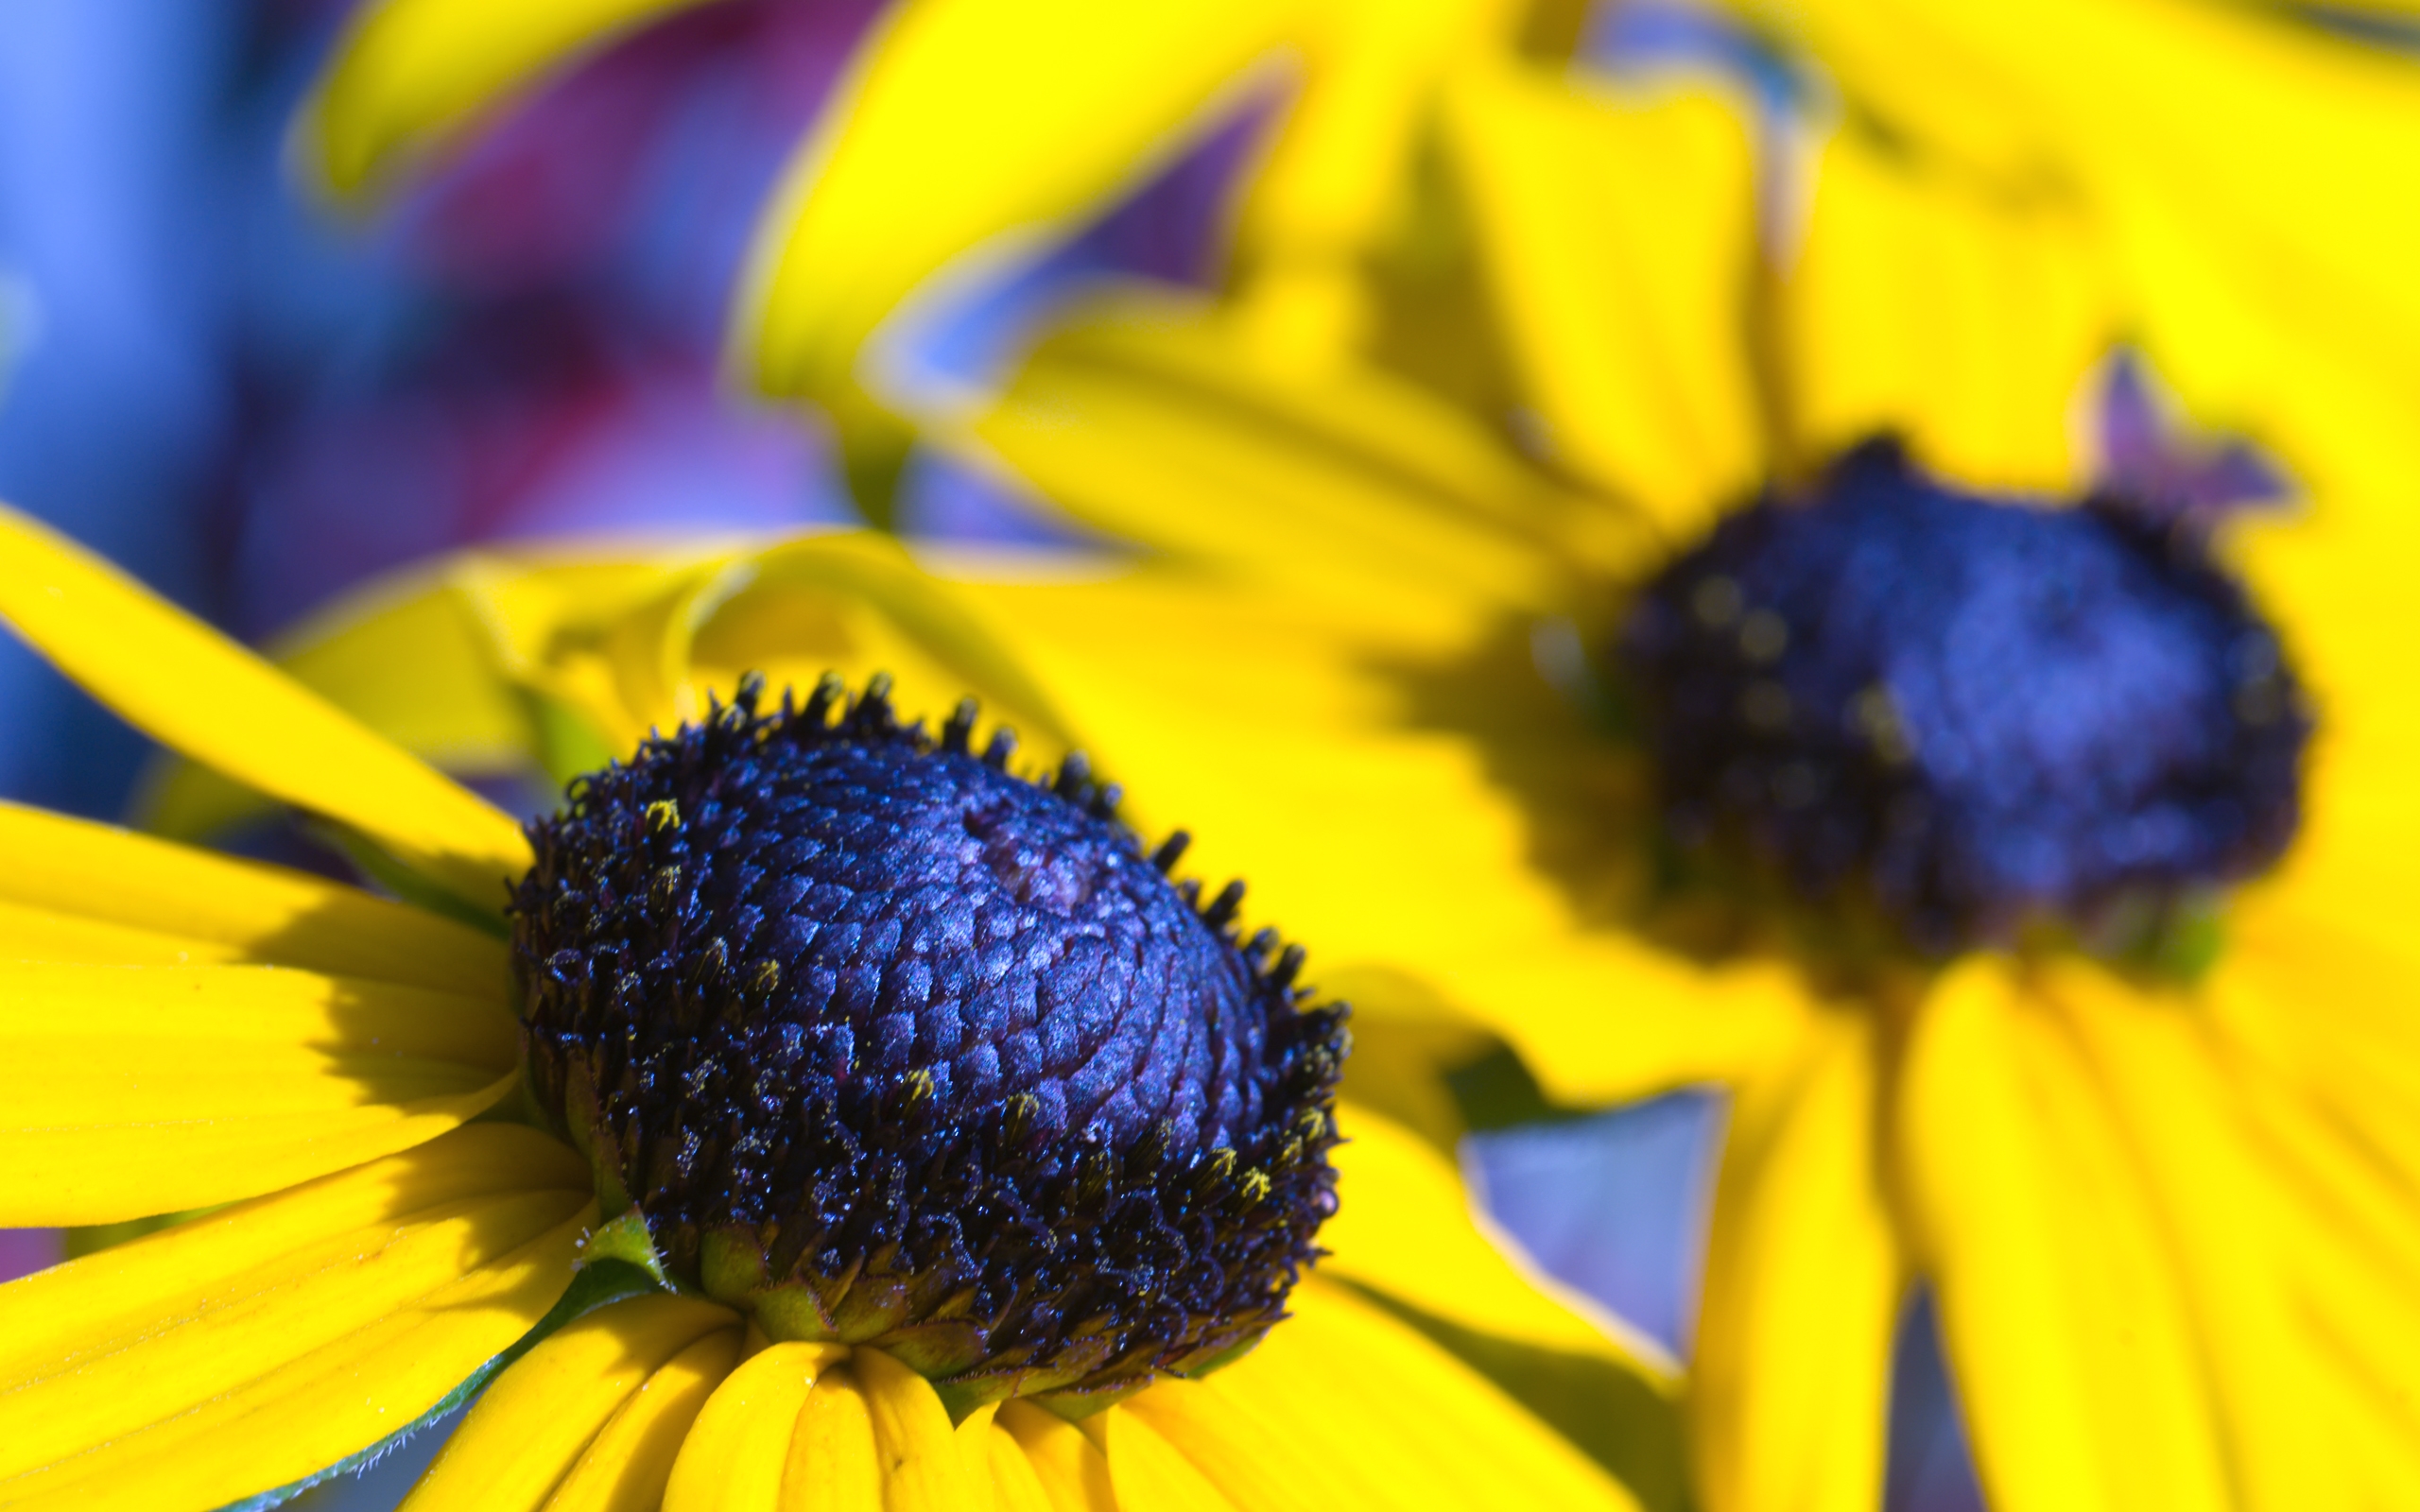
{"points": [[192, 689], [1396, 1417], [148, 1090], [2081, 1380], [1145, 418], [537, 1420], [626, 1468], [242, 1351], [1069, 100], [1335, 181], [2258, 178], [1070, 1467], [67, 870], [409, 76], [736, 1454], [1790, 1380], [1617, 231], [1974, 323]]}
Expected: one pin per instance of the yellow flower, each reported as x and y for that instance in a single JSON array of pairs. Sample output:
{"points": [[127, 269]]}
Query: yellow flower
{"points": [[2155, 1169], [337, 1080]]}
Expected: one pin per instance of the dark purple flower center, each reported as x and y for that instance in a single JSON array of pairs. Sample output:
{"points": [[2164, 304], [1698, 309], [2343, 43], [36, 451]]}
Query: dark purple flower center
{"points": [[891, 1046], [1974, 713]]}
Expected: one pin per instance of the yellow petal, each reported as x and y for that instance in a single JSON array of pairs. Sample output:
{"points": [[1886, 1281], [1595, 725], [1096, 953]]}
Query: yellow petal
{"points": [[2228, 1216], [148, 1090], [734, 1456], [1404, 1227], [1069, 1466], [1790, 1381], [62, 870], [2264, 244], [537, 1420], [835, 1463], [854, 602], [626, 1467], [242, 1351], [924, 1469], [1617, 233], [1074, 98], [1147, 419], [1152, 1475], [1015, 1486], [409, 76], [1973, 323], [414, 658], [2059, 1299], [1393, 1417], [198, 693]]}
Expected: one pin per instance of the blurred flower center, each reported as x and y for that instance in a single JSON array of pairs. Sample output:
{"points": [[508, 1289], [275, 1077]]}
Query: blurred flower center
{"points": [[1971, 717], [888, 1045]]}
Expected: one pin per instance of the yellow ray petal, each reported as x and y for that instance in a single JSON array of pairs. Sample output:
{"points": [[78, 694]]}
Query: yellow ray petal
{"points": [[1404, 1227], [537, 1421], [1070, 1467], [242, 1351], [63, 869], [2263, 244], [1147, 417], [1402, 1422], [1077, 98], [1972, 323], [1339, 175], [409, 76], [1015, 1486], [152, 1090], [925, 1468], [734, 1456], [2226, 1214], [2059, 1299], [198, 693], [835, 1463], [1790, 1380], [1153, 1476], [626, 1467], [1618, 236]]}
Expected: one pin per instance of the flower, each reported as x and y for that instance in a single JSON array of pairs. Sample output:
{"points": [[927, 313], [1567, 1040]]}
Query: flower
{"points": [[2096, 1034], [406, 1164]]}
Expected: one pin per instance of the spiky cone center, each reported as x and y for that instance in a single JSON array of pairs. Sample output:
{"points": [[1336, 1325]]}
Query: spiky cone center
{"points": [[881, 1043]]}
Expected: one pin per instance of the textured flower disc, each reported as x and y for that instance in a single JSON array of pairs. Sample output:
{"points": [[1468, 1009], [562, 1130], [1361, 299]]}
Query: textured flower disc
{"points": [[889, 1045], [1974, 714]]}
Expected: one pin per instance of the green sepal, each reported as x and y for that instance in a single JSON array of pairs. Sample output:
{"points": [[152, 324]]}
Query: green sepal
{"points": [[625, 1241]]}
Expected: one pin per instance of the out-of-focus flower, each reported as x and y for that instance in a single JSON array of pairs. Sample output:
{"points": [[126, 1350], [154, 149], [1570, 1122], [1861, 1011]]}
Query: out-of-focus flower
{"points": [[1969, 840], [868, 1299]]}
